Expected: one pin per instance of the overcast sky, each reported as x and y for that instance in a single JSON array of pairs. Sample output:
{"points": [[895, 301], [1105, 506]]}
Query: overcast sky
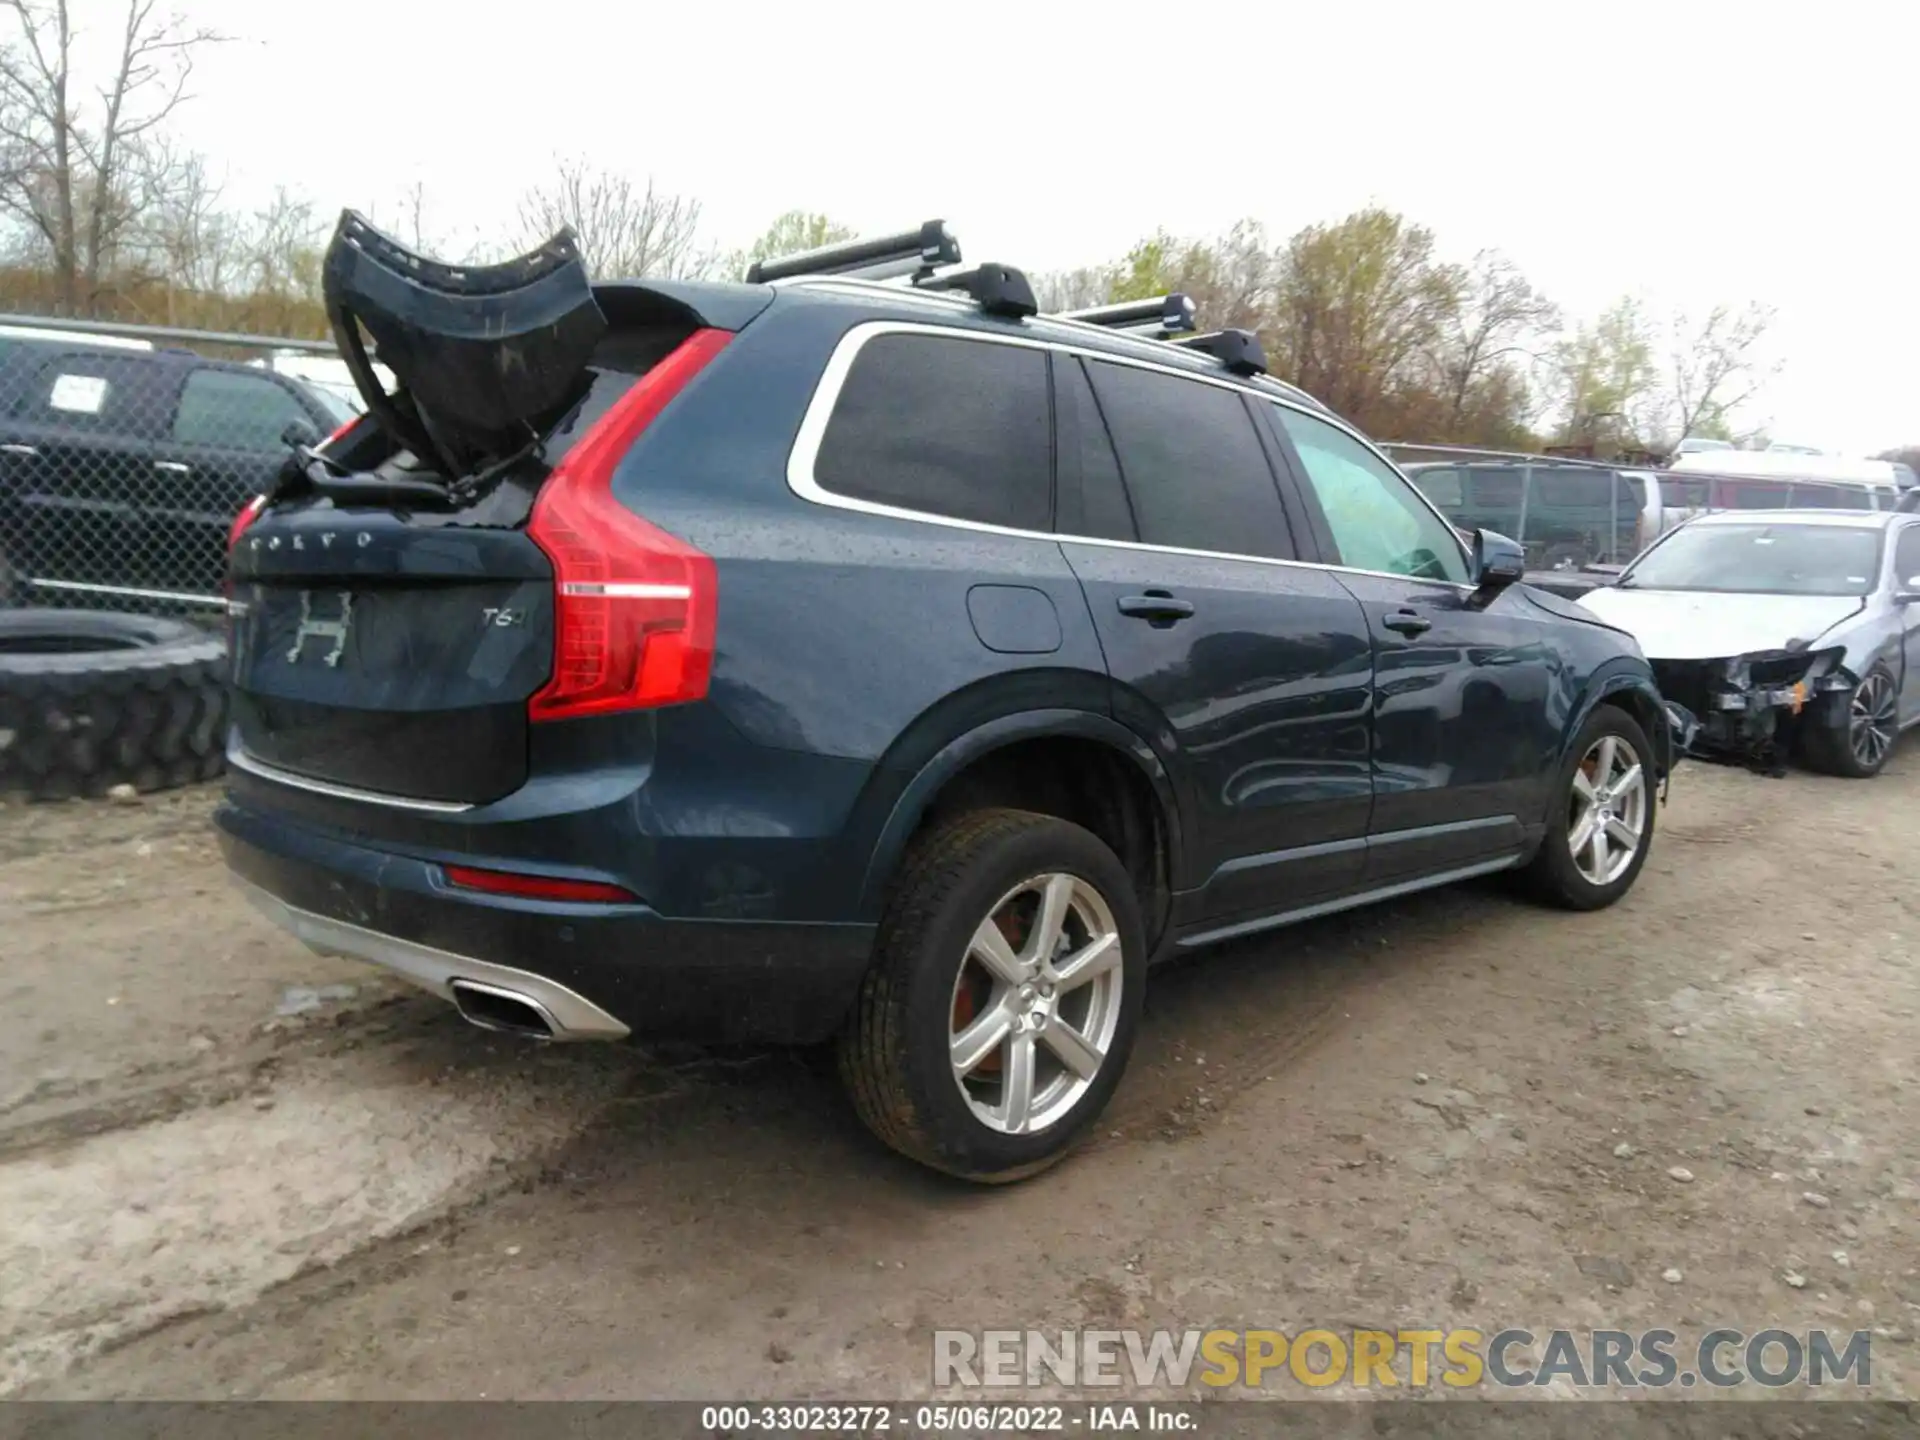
{"points": [[1687, 152]]}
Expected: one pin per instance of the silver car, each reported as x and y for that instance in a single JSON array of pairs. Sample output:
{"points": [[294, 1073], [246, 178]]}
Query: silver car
{"points": [[1782, 628]]}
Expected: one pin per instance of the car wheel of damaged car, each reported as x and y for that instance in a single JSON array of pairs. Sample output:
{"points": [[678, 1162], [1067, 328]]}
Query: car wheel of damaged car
{"points": [[1600, 826], [1855, 740], [1005, 988]]}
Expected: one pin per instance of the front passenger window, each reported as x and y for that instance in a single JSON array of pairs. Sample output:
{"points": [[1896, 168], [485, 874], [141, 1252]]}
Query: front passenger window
{"points": [[1378, 523]]}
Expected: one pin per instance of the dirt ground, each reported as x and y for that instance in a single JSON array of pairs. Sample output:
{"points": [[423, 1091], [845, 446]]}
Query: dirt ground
{"points": [[229, 1168]]}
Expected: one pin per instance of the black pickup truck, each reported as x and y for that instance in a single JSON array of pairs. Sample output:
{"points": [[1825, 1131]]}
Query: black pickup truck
{"points": [[122, 469]]}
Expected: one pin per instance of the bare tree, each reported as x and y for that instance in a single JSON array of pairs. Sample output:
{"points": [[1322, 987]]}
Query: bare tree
{"points": [[75, 167], [1498, 324], [1073, 289], [624, 229], [1717, 366], [188, 239]]}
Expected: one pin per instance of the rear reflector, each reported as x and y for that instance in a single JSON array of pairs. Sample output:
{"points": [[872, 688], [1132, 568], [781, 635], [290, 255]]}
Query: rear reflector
{"points": [[634, 607], [537, 887]]}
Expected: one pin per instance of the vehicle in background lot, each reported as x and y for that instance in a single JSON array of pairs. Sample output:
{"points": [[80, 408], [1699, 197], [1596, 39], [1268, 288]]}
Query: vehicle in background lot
{"points": [[1576, 520], [11, 333], [887, 663], [1783, 628], [1697, 445], [1903, 476], [1750, 480], [122, 469], [1779, 447]]}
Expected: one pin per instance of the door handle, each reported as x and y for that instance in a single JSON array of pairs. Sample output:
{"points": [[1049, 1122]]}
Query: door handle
{"points": [[25, 452], [1156, 606], [1408, 622], [173, 467]]}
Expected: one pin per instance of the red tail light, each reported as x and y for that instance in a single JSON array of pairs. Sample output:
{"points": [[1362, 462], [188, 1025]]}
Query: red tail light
{"points": [[634, 607], [248, 514], [537, 887]]}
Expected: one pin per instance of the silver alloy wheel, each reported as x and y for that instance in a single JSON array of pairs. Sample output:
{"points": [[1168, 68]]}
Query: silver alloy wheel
{"points": [[1035, 1004], [1607, 813], [1871, 720]]}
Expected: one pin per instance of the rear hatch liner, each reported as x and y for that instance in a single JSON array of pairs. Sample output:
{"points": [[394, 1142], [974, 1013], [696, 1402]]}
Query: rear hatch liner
{"points": [[485, 356]]}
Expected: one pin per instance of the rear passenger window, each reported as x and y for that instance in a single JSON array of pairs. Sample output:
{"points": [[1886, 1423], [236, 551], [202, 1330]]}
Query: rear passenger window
{"points": [[1093, 500], [1585, 490], [1193, 464], [951, 427], [1496, 487], [235, 412], [96, 393]]}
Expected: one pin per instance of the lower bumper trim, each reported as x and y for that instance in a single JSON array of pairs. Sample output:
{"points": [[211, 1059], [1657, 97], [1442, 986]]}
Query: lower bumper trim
{"points": [[573, 1017]]}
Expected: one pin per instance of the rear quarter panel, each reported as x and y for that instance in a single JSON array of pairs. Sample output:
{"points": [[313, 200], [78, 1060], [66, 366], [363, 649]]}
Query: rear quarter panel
{"points": [[848, 654]]}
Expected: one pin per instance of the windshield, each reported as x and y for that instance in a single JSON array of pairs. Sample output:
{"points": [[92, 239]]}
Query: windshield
{"points": [[1762, 560]]}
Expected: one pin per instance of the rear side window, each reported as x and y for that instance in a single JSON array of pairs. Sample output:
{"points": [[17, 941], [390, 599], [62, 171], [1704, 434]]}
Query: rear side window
{"points": [[1576, 490], [952, 427], [1831, 497], [1754, 495], [234, 412], [1093, 499], [1496, 487], [96, 393], [1686, 494], [1193, 463]]}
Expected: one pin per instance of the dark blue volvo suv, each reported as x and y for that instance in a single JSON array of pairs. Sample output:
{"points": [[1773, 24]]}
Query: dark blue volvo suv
{"points": [[820, 658]]}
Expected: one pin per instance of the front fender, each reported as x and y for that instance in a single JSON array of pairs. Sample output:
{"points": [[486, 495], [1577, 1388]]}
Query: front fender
{"points": [[1631, 686], [924, 784]]}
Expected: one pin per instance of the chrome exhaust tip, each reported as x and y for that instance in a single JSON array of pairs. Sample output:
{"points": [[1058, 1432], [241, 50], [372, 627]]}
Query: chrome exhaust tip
{"points": [[493, 1008]]}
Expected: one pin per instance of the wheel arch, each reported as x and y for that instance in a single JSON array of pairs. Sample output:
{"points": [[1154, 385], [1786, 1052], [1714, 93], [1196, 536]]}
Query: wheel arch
{"points": [[1633, 690], [974, 751]]}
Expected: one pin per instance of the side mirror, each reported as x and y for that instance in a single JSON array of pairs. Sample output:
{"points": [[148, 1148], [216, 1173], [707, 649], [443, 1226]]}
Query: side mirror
{"points": [[301, 435], [1497, 561]]}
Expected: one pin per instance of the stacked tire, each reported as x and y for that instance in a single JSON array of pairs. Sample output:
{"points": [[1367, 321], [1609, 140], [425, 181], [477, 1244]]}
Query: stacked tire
{"points": [[90, 700]]}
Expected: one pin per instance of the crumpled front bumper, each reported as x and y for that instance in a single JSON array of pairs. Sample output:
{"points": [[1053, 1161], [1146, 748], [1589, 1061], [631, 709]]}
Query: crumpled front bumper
{"points": [[1744, 705], [1682, 728]]}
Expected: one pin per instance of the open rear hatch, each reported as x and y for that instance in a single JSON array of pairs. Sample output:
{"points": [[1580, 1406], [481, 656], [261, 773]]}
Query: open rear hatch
{"points": [[393, 612]]}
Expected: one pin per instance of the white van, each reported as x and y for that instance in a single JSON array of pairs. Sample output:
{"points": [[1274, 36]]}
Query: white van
{"points": [[1784, 480]]}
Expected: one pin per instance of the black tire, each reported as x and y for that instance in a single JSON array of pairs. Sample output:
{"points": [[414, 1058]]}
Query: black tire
{"points": [[1554, 876], [894, 1052], [1830, 741], [91, 699]]}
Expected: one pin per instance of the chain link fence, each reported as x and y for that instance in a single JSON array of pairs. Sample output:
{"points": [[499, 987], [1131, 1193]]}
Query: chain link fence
{"points": [[127, 451]]}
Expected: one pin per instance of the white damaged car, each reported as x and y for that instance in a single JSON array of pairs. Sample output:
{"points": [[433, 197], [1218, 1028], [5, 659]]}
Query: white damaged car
{"points": [[1782, 629]]}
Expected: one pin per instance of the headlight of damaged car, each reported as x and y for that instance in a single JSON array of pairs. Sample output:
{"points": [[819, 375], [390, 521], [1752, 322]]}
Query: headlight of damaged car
{"points": [[1772, 678]]}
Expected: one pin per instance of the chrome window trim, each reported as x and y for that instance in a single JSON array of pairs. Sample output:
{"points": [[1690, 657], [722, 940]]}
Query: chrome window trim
{"points": [[826, 395]]}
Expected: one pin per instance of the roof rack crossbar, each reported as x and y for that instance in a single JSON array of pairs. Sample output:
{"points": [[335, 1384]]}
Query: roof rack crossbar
{"points": [[1160, 316], [998, 289], [1238, 350], [910, 252]]}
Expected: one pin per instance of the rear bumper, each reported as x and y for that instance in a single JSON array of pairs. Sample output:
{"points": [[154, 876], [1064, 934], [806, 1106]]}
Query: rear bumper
{"points": [[598, 971], [569, 1016]]}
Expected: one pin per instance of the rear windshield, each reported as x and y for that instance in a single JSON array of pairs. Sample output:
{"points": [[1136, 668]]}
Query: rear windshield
{"points": [[1761, 560]]}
